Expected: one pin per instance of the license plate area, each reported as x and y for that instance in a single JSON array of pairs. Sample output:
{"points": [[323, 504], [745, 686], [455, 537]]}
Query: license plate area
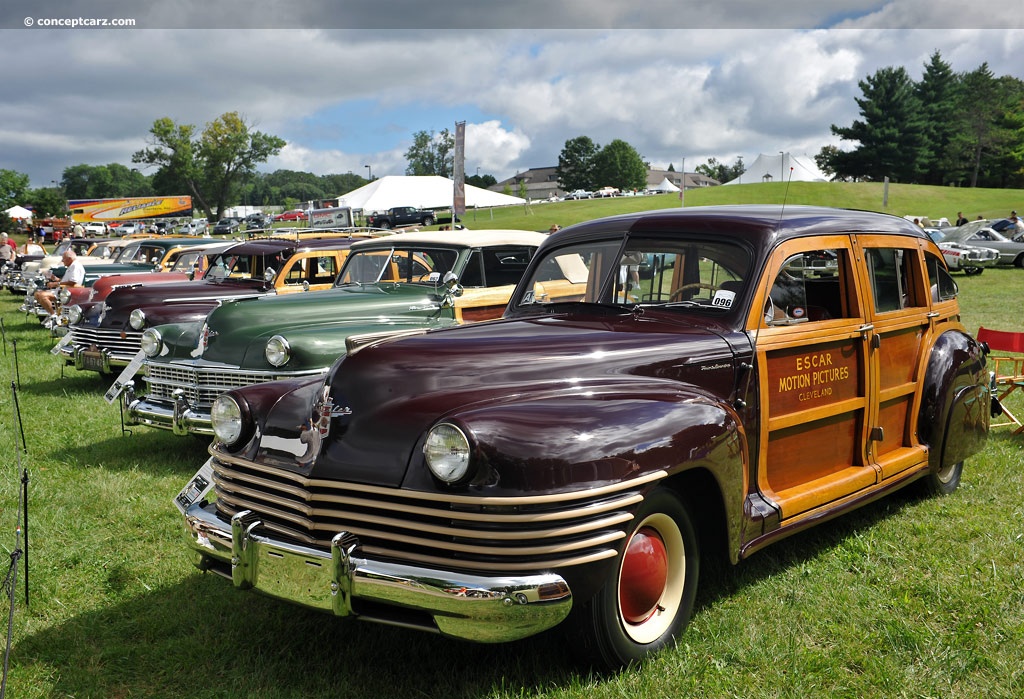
{"points": [[294, 577], [92, 360]]}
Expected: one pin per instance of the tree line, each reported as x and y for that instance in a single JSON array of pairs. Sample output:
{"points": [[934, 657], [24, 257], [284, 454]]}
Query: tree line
{"points": [[963, 129]]}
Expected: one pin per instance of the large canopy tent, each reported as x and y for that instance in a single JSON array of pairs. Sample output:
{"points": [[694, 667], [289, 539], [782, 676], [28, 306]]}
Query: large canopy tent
{"points": [[776, 168], [18, 213], [423, 192], [665, 186]]}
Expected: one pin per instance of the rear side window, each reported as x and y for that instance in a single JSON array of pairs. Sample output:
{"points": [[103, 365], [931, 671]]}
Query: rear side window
{"points": [[891, 271], [941, 284]]}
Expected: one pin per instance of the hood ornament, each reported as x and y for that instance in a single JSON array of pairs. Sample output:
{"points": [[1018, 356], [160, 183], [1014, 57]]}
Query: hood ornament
{"points": [[204, 341], [314, 430]]}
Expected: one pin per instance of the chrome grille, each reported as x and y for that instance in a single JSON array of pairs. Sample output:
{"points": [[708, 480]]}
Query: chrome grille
{"points": [[109, 340], [201, 385], [458, 532]]}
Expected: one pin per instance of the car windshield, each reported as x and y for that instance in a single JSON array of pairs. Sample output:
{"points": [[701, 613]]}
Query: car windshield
{"points": [[679, 273], [235, 266], [142, 254], [412, 265]]}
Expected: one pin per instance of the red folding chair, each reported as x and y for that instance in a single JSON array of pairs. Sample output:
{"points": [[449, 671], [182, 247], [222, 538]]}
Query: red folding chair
{"points": [[1009, 370]]}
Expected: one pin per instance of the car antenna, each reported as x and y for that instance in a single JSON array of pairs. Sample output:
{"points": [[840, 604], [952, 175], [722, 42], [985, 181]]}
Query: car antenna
{"points": [[749, 368]]}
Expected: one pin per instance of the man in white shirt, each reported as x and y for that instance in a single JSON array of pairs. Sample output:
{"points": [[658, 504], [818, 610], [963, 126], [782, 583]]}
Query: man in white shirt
{"points": [[74, 275]]}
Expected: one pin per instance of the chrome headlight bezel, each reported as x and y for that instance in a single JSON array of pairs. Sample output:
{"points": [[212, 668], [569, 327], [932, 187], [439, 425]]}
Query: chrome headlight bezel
{"points": [[64, 295], [151, 342], [137, 319], [448, 453], [74, 314], [228, 418], [277, 351]]}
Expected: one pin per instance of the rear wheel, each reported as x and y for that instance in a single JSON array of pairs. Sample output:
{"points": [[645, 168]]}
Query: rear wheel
{"points": [[647, 599], [945, 480]]}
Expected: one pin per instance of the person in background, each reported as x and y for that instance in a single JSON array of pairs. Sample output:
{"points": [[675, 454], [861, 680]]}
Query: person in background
{"points": [[74, 275], [31, 247], [8, 249], [960, 219]]}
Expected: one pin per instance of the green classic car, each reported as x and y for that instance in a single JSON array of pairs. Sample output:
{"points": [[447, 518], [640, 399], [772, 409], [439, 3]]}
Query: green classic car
{"points": [[410, 282]]}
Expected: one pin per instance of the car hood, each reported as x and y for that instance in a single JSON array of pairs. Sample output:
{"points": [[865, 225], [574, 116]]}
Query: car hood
{"points": [[236, 332], [384, 397], [119, 303]]}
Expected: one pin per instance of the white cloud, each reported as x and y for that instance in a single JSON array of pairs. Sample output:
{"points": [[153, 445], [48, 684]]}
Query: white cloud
{"points": [[344, 99]]}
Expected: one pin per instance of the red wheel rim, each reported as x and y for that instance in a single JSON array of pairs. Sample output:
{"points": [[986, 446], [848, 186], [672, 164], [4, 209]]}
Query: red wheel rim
{"points": [[644, 576]]}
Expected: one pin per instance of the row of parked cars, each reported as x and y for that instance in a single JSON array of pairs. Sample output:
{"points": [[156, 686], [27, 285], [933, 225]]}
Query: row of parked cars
{"points": [[972, 247], [487, 434]]}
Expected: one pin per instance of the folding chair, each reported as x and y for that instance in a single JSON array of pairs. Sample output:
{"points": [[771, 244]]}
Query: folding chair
{"points": [[1009, 370]]}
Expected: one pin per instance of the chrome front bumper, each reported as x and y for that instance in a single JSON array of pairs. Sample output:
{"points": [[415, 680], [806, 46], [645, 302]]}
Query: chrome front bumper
{"points": [[101, 360], [489, 609], [178, 417]]}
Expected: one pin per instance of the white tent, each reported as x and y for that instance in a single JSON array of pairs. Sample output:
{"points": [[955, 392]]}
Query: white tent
{"points": [[665, 186], [776, 168], [19, 213], [424, 192]]}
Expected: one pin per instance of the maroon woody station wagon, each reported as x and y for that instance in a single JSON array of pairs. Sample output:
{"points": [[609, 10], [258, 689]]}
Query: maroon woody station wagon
{"points": [[729, 375]]}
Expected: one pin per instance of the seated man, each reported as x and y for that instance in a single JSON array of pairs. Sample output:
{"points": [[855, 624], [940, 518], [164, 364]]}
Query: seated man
{"points": [[74, 275]]}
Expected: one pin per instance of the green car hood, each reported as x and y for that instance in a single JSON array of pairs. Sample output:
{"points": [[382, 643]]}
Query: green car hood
{"points": [[315, 325]]}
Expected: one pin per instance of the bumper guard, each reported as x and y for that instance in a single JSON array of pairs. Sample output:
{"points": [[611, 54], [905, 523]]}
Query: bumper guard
{"points": [[472, 607]]}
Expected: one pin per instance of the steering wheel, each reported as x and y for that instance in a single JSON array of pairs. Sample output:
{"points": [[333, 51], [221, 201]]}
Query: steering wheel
{"points": [[688, 287]]}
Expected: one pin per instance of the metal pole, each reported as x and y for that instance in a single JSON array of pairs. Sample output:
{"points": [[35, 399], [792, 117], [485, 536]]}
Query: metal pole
{"points": [[682, 190]]}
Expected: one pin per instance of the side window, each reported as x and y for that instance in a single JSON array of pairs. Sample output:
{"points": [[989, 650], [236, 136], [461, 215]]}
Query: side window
{"points": [[473, 274], [325, 271], [891, 272], [941, 284], [296, 272], [809, 288]]}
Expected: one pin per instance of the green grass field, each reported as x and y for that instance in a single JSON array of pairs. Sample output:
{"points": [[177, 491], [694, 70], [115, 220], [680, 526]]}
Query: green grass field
{"points": [[907, 597]]}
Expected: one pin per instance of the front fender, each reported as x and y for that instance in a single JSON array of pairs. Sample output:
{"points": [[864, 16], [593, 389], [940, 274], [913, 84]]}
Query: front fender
{"points": [[594, 435], [319, 346], [956, 404]]}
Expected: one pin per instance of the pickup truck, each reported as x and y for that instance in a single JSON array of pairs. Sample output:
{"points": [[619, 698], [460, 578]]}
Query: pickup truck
{"points": [[401, 216]]}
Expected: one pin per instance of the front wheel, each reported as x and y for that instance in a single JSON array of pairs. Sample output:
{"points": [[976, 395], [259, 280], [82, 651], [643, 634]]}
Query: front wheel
{"points": [[647, 598], [428, 221]]}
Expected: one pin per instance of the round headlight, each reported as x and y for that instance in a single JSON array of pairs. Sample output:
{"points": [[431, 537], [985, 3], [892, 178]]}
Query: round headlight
{"points": [[226, 418], [74, 314], [277, 351], [447, 452], [137, 319], [64, 295], [151, 342]]}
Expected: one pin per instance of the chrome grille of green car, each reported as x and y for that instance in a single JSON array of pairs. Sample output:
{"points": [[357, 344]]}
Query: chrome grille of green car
{"points": [[201, 385], [473, 533], [120, 343]]}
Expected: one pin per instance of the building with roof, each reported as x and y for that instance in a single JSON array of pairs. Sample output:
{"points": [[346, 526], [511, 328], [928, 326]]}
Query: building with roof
{"points": [[541, 183]]}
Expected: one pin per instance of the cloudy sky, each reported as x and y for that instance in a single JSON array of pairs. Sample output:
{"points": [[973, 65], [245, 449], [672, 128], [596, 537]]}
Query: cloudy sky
{"points": [[348, 82]]}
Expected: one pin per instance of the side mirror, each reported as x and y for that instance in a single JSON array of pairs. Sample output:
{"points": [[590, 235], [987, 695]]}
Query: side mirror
{"points": [[452, 290], [305, 285], [268, 274]]}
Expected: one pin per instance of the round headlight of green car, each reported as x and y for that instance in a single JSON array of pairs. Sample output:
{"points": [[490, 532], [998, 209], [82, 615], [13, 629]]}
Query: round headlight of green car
{"points": [[64, 295], [137, 319], [447, 452], [74, 314], [277, 351], [226, 419], [151, 342]]}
